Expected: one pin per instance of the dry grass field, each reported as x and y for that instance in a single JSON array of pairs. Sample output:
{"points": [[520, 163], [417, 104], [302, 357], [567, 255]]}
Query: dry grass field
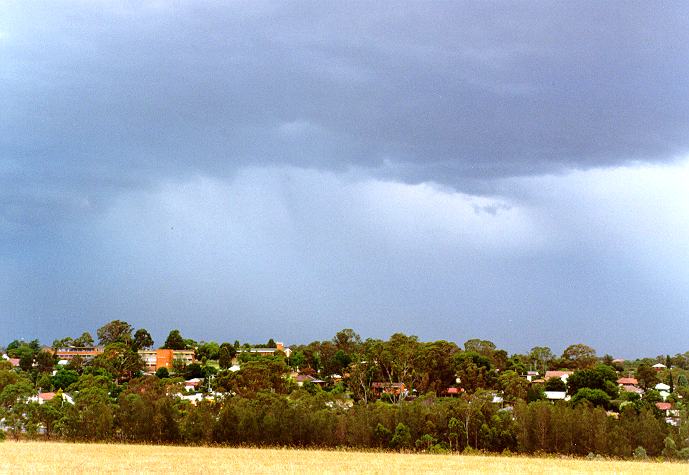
{"points": [[53, 457]]}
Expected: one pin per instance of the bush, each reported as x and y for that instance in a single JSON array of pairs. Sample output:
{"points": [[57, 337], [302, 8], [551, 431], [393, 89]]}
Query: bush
{"points": [[640, 453], [162, 373]]}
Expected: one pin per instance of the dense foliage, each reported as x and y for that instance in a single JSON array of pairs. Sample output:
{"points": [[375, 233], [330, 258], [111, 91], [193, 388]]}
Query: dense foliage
{"points": [[493, 406]]}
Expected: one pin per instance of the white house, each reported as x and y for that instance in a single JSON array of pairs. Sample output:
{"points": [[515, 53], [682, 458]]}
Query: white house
{"points": [[556, 396]]}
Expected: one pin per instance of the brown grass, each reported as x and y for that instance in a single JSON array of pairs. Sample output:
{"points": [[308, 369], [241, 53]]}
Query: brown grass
{"points": [[65, 458]]}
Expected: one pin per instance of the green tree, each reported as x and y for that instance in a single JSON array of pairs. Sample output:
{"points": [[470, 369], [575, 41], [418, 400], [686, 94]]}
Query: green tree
{"points": [[555, 384], [482, 347], [601, 377], [142, 339], [597, 397], [91, 416], [474, 371], [647, 376], [85, 340], [26, 357], [162, 373], [436, 366], [347, 340], [401, 439], [15, 408], [514, 387], [119, 360], [382, 435], [225, 355], [540, 358], [116, 331], [64, 378], [174, 341], [579, 356], [49, 414], [45, 361], [209, 350]]}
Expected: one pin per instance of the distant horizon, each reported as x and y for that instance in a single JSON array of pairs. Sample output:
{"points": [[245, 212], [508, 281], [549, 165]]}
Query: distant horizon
{"points": [[158, 342]]}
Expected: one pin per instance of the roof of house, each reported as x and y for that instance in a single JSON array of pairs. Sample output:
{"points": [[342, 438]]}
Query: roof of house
{"points": [[659, 365], [387, 385], [662, 387], [452, 390], [630, 381], [632, 389], [303, 378], [14, 361], [556, 374], [46, 396], [664, 406]]}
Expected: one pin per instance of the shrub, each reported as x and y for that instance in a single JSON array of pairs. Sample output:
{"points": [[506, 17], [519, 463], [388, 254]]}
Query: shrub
{"points": [[640, 453]]}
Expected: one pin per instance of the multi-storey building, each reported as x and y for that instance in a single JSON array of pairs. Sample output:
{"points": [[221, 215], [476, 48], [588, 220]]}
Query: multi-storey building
{"points": [[87, 353], [164, 358]]}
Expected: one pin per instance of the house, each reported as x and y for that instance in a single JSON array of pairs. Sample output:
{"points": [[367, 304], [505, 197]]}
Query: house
{"points": [[305, 378], [531, 375], [195, 398], [628, 382], [672, 416], [164, 358], [563, 375], [452, 392], [632, 389], [192, 384], [279, 346], [556, 396], [41, 398], [659, 366], [395, 389], [663, 389]]}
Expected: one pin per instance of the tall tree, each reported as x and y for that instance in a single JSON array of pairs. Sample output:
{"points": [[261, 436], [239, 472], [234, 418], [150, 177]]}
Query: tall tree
{"points": [[347, 340], [174, 341], [119, 360], [45, 361], [85, 340], [647, 376], [142, 339], [482, 347], [540, 357], [117, 331], [579, 356]]}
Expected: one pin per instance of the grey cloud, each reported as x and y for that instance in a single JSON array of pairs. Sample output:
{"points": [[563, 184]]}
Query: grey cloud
{"points": [[441, 92], [103, 103]]}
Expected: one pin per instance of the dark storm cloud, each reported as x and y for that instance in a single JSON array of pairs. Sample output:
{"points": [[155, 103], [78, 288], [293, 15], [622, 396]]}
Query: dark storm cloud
{"points": [[239, 169], [98, 96]]}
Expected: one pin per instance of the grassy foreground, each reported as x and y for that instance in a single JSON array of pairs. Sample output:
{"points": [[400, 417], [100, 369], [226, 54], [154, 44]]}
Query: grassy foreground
{"points": [[54, 457]]}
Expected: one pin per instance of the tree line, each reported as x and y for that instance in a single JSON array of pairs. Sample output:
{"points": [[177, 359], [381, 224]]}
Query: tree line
{"points": [[494, 407]]}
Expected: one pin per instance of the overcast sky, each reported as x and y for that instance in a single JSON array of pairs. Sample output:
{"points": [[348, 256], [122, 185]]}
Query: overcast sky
{"points": [[247, 170]]}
